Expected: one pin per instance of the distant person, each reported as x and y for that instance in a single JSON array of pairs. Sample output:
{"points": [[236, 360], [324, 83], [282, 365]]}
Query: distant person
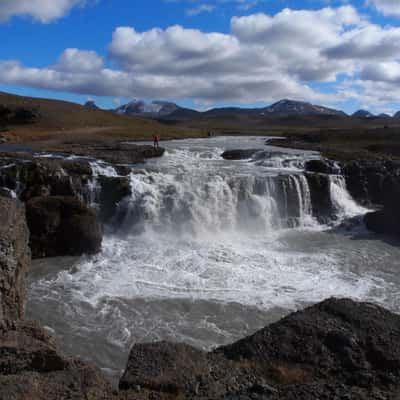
{"points": [[156, 140]]}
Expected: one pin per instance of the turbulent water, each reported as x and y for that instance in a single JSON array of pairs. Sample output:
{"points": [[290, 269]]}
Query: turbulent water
{"points": [[206, 251]]}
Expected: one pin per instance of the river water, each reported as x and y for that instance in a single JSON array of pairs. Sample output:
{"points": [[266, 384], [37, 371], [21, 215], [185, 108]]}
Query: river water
{"points": [[207, 251]]}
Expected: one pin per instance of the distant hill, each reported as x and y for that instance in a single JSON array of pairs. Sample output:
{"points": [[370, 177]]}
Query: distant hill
{"points": [[91, 104], [363, 114], [48, 116], [285, 108], [171, 111]]}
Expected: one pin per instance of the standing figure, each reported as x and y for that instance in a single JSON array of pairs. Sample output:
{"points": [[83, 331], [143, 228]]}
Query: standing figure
{"points": [[156, 140]]}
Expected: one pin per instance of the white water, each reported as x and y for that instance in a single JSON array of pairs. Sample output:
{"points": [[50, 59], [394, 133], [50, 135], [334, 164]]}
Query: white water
{"points": [[208, 251]]}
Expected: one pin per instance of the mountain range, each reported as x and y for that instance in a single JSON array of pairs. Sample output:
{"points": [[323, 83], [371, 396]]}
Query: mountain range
{"points": [[286, 108]]}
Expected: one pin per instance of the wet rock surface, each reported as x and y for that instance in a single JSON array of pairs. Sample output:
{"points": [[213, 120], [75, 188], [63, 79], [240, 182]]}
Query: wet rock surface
{"points": [[62, 226], [239, 154], [114, 153], [113, 191], [14, 258], [387, 220], [322, 207], [31, 177], [337, 349]]}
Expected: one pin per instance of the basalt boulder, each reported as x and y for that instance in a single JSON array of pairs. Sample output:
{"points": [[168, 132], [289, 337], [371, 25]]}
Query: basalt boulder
{"points": [[337, 349], [14, 258], [62, 226], [32, 368]]}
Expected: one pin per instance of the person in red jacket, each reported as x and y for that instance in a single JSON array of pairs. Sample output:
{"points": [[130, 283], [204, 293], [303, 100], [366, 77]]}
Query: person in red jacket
{"points": [[156, 140]]}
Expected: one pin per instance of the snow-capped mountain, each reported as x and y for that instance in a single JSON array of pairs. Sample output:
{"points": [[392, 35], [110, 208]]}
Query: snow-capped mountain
{"points": [[150, 109]]}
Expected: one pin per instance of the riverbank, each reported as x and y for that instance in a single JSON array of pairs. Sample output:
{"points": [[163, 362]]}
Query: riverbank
{"points": [[347, 144]]}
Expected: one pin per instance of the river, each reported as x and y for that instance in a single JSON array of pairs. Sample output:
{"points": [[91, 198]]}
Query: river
{"points": [[207, 251]]}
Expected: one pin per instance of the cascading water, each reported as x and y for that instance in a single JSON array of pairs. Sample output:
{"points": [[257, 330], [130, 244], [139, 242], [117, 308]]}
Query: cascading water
{"points": [[344, 204], [207, 251]]}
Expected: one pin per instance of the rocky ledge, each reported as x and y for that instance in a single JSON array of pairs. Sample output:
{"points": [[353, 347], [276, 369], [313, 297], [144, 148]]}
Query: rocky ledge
{"points": [[372, 183], [338, 349], [67, 198], [113, 153]]}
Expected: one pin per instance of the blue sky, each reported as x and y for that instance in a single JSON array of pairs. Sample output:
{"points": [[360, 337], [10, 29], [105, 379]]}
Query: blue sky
{"points": [[204, 53]]}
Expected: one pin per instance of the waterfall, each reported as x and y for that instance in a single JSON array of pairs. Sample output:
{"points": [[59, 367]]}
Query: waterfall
{"points": [[204, 203], [343, 203]]}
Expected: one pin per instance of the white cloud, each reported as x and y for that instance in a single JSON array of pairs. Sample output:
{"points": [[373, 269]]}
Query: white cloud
{"points": [[40, 10], [386, 7], [75, 60], [263, 58], [200, 9]]}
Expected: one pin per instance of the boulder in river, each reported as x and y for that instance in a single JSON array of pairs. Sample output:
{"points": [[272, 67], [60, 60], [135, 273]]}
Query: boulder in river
{"points": [[62, 226], [14, 258], [239, 154]]}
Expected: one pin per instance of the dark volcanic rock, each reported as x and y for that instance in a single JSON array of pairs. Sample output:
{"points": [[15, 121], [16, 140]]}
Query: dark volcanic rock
{"points": [[338, 349], [14, 258], [32, 177], [322, 207], [31, 368], [62, 226], [387, 220], [239, 154], [365, 179], [322, 166], [113, 191], [114, 153]]}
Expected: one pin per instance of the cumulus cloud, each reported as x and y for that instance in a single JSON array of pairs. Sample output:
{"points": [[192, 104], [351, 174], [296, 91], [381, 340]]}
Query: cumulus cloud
{"points": [[262, 58], [387, 7], [40, 10], [75, 60]]}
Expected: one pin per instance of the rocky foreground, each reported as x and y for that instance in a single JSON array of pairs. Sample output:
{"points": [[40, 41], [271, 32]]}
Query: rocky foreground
{"points": [[338, 349]]}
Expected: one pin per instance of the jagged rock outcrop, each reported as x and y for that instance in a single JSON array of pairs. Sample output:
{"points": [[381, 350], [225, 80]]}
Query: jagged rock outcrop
{"points": [[31, 177], [31, 366], [387, 220], [365, 179], [62, 226], [337, 349], [14, 258]]}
